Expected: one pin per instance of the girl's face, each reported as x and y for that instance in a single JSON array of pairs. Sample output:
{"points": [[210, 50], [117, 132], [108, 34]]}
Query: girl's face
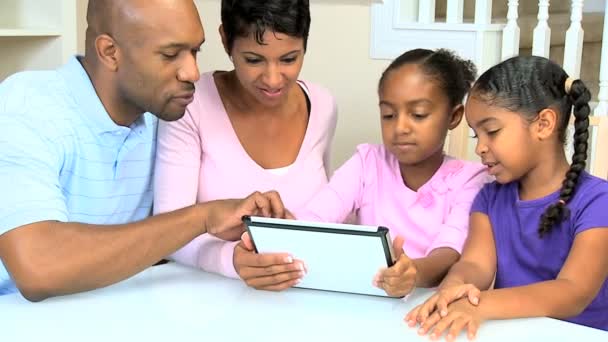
{"points": [[268, 71], [505, 141], [415, 115]]}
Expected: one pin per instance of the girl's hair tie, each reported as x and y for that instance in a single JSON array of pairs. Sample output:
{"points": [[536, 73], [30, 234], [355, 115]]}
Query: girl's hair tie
{"points": [[568, 84]]}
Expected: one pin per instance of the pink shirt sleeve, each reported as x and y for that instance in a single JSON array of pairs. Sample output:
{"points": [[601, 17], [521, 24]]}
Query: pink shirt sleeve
{"points": [[340, 197], [177, 170], [467, 182]]}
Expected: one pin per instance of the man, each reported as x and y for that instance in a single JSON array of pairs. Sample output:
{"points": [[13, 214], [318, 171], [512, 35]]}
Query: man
{"points": [[76, 153]]}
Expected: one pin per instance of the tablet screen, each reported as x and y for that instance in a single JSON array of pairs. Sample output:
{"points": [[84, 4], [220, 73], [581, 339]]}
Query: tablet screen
{"points": [[341, 258]]}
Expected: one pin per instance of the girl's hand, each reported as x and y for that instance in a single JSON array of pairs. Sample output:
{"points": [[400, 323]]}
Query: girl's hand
{"points": [[438, 302], [463, 315], [399, 279]]}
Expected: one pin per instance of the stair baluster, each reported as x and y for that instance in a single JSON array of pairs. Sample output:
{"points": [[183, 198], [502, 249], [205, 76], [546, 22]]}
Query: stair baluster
{"points": [[426, 11], [510, 34], [573, 49], [483, 12], [541, 41], [602, 106], [455, 11]]}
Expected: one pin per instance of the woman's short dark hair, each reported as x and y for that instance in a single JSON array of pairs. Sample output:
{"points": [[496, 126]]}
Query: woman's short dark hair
{"points": [[240, 18]]}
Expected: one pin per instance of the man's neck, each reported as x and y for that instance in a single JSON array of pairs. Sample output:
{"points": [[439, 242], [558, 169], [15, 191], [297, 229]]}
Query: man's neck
{"points": [[119, 111]]}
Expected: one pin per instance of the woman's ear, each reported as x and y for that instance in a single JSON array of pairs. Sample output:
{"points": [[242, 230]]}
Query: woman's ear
{"points": [[456, 116], [546, 123], [224, 39]]}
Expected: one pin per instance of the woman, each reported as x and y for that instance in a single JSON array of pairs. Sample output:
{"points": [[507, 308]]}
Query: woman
{"points": [[256, 127]]}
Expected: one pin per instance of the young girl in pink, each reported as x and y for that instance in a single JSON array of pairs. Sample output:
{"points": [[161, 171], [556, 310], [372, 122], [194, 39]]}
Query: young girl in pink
{"points": [[408, 184]]}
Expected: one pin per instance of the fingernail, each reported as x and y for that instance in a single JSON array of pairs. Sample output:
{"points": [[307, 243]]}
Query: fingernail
{"points": [[288, 260], [411, 323], [449, 337], [433, 336], [444, 312], [301, 267], [476, 300], [375, 283], [421, 331]]}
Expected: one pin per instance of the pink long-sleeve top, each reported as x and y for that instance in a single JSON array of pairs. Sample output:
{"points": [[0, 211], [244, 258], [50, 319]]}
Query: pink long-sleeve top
{"points": [[370, 184], [199, 158]]}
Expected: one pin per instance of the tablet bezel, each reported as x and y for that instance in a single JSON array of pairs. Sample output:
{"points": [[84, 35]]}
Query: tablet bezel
{"points": [[321, 227]]}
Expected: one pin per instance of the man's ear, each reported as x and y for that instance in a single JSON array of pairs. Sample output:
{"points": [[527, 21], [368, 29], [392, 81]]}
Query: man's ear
{"points": [[107, 51], [224, 39], [546, 123], [456, 116]]}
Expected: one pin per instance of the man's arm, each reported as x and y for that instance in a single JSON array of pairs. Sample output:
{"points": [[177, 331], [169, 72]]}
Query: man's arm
{"points": [[51, 258]]}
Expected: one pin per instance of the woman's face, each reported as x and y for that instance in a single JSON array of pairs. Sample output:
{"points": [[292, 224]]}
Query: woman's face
{"points": [[268, 71]]}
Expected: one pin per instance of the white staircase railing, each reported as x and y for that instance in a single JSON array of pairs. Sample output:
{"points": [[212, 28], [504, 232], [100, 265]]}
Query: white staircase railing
{"points": [[420, 15], [602, 97], [487, 40]]}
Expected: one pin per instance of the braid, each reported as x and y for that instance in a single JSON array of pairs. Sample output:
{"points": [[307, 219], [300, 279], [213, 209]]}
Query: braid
{"points": [[529, 84], [555, 213]]}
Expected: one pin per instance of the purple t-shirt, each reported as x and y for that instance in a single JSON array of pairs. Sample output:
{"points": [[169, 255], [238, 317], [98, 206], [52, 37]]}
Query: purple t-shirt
{"points": [[522, 257]]}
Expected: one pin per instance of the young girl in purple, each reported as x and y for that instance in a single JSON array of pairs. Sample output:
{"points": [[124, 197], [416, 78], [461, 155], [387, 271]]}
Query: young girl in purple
{"points": [[540, 229]]}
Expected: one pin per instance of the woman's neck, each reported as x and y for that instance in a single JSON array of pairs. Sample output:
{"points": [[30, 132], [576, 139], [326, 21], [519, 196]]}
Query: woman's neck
{"points": [[416, 175], [546, 177]]}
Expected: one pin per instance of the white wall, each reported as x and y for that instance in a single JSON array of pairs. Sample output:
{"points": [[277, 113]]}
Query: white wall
{"points": [[337, 58]]}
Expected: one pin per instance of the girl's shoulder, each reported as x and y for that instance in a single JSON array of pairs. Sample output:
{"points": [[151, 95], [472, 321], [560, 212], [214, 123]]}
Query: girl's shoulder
{"points": [[591, 189], [458, 172], [369, 153], [375, 159]]}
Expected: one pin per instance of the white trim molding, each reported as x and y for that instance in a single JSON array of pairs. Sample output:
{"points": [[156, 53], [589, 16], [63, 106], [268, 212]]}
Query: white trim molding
{"points": [[392, 33]]}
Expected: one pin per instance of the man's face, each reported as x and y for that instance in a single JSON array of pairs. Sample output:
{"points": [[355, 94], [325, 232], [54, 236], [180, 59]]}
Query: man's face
{"points": [[157, 68]]}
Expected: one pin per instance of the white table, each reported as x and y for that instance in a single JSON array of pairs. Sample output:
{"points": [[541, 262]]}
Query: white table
{"points": [[176, 303]]}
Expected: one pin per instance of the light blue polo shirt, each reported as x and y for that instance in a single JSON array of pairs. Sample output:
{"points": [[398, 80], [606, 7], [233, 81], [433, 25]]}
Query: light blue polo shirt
{"points": [[62, 157]]}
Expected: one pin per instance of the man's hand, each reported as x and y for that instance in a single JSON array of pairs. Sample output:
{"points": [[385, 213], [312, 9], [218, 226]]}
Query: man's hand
{"points": [[224, 217]]}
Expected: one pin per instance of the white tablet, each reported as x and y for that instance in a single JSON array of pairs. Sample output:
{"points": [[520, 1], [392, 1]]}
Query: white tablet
{"points": [[338, 257]]}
